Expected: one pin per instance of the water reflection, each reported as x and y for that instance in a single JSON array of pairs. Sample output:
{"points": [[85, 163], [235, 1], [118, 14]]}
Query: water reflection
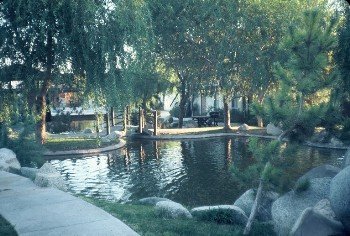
{"points": [[193, 172]]}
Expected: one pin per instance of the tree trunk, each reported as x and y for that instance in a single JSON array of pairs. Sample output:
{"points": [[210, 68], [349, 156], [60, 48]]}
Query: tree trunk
{"points": [[227, 118], [41, 124], [254, 209], [183, 99], [260, 121], [41, 99]]}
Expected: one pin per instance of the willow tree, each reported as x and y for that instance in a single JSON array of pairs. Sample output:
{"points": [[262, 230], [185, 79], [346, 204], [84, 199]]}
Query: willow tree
{"points": [[81, 43]]}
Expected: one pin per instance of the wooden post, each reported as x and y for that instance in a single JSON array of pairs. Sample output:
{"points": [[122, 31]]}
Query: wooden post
{"points": [[128, 115], [108, 127], [124, 120], [155, 123], [112, 117], [140, 121], [97, 126]]}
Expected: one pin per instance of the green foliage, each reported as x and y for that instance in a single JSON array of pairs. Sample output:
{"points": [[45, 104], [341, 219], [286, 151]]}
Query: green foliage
{"points": [[28, 151], [345, 131], [298, 104], [302, 186]]}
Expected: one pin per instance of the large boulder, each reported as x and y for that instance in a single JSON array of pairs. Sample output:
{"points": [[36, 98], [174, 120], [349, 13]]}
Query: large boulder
{"points": [[324, 207], [347, 158], [8, 160], [312, 222], [340, 196], [113, 135], [246, 201], [271, 129], [336, 142], [243, 127], [29, 172], [152, 201], [320, 172], [224, 214], [88, 131], [48, 176], [287, 209], [172, 210]]}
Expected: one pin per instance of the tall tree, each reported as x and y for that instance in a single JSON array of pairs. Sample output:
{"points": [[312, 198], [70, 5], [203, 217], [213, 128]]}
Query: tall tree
{"points": [[309, 70], [175, 23]]}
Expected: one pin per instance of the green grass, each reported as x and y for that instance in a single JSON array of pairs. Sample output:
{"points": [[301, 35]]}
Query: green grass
{"points": [[144, 220], [6, 229], [67, 144]]}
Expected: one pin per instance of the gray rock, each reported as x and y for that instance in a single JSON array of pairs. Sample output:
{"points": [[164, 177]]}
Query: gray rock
{"points": [[227, 214], [320, 172], [48, 176], [336, 142], [8, 160], [152, 201], [246, 201], [271, 129], [88, 131], [243, 127], [340, 196], [312, 222], [347, 158], [169, 209], [114, 135], [324, 208], [29, 172], [286, 209]]}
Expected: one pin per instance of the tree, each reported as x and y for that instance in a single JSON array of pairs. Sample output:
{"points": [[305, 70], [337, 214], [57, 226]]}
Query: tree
{"points": [[175, 24], [81, 43], [343, 61], [307, 73], [223, 49]]}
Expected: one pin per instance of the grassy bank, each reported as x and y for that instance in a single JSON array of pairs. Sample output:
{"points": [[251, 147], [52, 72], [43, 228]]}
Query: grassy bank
{"points": [[67, 144], [144, 220], [6, 229]]}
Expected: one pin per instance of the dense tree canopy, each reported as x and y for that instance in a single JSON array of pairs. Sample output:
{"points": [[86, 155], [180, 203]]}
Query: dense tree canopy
{"points": [[121, 52]]}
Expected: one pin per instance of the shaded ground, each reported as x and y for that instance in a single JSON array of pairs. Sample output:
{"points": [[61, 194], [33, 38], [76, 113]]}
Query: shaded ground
{"points": [[6, 229]]}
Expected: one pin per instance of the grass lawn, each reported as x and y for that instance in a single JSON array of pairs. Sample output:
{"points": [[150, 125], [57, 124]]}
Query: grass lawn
{"points": [[6, 229], [144, 221], [66, 144]]}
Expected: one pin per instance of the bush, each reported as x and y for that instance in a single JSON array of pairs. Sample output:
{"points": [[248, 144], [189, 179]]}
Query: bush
{"points": [[61, 124], [302, 186], [345, 132]]}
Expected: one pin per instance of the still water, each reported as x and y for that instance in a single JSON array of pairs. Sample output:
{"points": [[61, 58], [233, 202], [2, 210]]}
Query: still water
{"points": [[192, 172]]}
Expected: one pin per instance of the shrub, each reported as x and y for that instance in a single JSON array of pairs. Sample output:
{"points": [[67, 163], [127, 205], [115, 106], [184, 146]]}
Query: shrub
{"points": [[302, 186]]}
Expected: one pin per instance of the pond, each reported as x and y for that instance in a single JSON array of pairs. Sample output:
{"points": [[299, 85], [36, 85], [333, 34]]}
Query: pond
{"points": [[192, 172]]}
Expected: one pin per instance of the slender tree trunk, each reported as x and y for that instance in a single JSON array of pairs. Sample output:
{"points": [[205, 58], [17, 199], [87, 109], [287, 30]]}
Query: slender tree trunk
{"points": [[255, 206], [254, 209], [301, 103], [227, 118], [41, 124], [183, 99], [41, 99], [260, 121]]}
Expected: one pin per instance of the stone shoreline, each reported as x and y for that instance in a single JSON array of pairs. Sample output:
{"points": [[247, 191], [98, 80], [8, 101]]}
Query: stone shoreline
{"points": [[119, 145]]}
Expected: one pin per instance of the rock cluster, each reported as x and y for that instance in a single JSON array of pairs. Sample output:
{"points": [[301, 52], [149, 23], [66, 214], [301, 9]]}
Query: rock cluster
{"points": [[271, 129], [48, 176], [8, 161]]}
